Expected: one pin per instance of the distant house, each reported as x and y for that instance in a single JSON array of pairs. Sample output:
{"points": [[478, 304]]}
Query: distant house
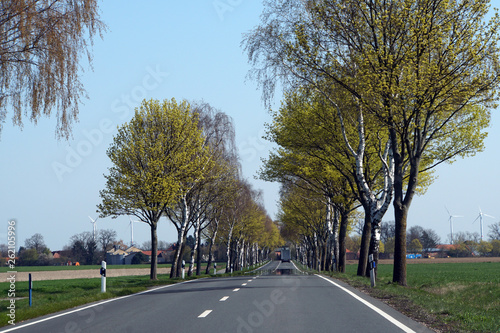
{"points": [[117, 256], [442, 250], [161, 255], [133, 249], [350, 255], [61, 257], [164, 257]]}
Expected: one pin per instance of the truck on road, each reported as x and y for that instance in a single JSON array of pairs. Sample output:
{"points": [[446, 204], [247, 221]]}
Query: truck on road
{"points": [[285, 254]]}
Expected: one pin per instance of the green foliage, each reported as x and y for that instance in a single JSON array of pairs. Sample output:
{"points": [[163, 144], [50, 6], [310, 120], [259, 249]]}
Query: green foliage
{"points": [[139, 258], [155, 157], [426, 71], [415, 246], [28, 257]]}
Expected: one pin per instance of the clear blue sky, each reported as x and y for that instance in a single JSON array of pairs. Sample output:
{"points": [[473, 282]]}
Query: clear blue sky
{"points": [[187, 50]]}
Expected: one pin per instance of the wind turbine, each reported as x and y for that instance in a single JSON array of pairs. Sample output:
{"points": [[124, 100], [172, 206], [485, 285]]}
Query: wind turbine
{"points": [[132, 231], [480, 217], [451, 222], [94, 222]]}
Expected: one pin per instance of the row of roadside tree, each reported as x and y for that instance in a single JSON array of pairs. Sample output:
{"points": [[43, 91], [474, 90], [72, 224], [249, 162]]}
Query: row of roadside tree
{"points": [[376, 94], [179, 161]]}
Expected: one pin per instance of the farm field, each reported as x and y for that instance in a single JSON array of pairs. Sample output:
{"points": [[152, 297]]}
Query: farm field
{"points": [[436, 260], [40, 273], [451, 295], [56, 295]]}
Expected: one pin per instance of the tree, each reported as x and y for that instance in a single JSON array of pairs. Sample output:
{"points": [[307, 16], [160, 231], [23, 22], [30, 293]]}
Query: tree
{"points": [[308, 124], [36, 242], [302, 209], [42, 42], [139, 258], [485, 248], [415, 246], [28, 257], [105, 238], [494, 233], [427, 70], [495, 247], [429, 240], [389, 245], [156, 157], [84, 248], [353, 243], [218, 131], [387, 231]]}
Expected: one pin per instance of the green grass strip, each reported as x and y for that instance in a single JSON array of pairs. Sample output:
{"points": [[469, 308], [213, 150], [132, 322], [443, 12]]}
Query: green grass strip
{"points": [[454, 297]]}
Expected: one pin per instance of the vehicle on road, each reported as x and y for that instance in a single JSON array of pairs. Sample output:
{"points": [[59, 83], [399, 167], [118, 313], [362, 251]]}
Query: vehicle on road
{"points": [[285, 254]]}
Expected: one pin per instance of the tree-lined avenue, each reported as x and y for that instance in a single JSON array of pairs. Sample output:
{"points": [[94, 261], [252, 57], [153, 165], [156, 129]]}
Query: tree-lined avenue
{"points": [[275, 298]]}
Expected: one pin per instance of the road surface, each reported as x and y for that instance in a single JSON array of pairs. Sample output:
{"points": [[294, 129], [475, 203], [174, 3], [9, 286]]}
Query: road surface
{"points": [[275, 298]]}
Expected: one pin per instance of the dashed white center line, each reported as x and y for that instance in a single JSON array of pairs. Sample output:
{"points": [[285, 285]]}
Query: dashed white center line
{"points": [[224, 298], [250, 280], [244, 284], [236, 289], [205, 313]]}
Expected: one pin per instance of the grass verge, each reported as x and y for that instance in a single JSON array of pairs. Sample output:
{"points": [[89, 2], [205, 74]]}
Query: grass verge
{"points": [[454, 297]]}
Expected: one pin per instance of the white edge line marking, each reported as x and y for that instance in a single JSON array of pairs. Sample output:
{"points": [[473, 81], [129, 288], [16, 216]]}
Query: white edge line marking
{"points": [[236, 289], [371, 306], [223, 299], [296, 266], [277, 267], [205, 313], [261, 267], [91, 306]]}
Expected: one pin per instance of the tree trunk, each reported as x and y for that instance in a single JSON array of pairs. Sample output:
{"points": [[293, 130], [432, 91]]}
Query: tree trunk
{"points": [[335, 240], [195, 249], [344, 220], [198, 255], [154, 250], [365, 245], [228, 250], [212, 240], [402, 204], [374, 245], [176, 265], [399, 272]]}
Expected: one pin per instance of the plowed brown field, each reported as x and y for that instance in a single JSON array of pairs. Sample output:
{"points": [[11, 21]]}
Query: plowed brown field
{"points": [[81, 274]]}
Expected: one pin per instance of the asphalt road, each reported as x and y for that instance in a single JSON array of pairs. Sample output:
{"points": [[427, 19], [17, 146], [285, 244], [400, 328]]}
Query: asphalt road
{"points": [[275, 298]]}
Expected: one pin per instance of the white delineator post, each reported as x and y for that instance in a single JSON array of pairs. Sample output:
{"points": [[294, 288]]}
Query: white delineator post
{"points": [[372, 269], [103, 277], [183, 265]]}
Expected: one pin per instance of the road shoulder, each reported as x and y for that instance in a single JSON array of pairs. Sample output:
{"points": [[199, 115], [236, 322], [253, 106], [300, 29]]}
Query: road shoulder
{"points": [[413, 325]]}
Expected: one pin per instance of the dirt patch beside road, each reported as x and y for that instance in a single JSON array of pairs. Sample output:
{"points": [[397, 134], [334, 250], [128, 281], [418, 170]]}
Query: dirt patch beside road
{"points": [[81, 274]]}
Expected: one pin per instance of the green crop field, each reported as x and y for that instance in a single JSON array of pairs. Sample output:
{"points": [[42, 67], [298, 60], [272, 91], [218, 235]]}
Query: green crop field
{"points": [[55, 295], [453, 297]]}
